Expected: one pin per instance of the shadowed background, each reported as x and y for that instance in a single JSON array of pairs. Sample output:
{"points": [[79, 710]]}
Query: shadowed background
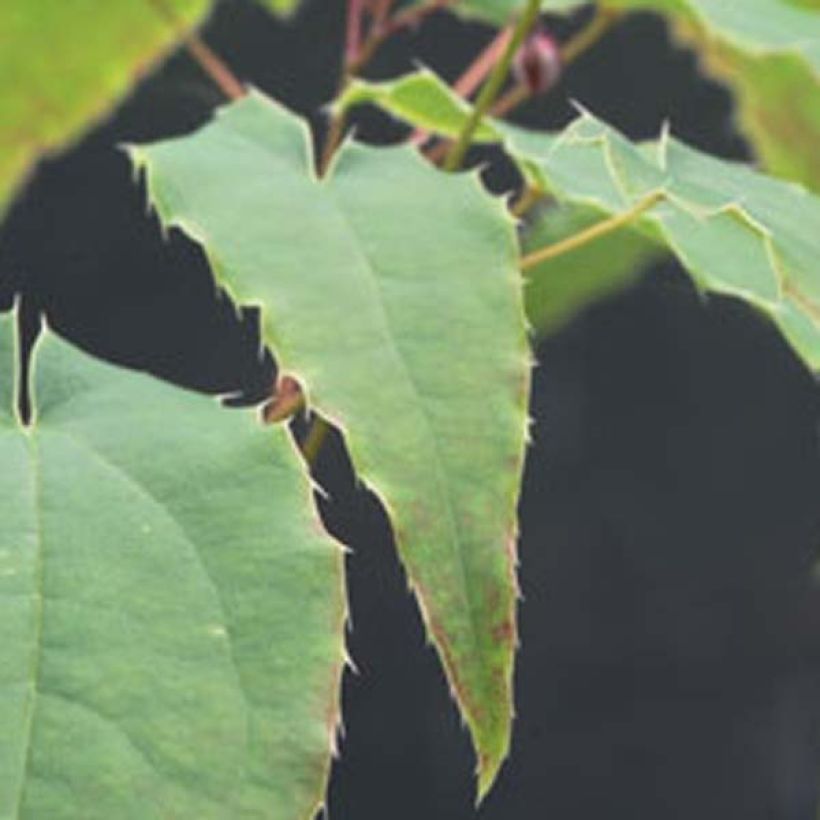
{"points": [[671, 505]]}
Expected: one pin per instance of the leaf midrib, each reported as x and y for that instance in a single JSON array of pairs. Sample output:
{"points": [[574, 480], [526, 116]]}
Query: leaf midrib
{"points": [[438, 461], [36, 654]]}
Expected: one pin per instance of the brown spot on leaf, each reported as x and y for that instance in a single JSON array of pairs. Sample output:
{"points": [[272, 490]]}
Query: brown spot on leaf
{"points": [[504, 632]]}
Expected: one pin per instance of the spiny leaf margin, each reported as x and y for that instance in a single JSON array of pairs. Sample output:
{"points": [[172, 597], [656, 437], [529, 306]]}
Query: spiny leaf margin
{"points": [[173, 612], [735, 230], [417, 272], [772, 223]]}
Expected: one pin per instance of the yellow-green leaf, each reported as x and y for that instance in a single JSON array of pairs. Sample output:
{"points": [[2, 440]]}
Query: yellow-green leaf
{"points": [[64, 63], [421, 98]]}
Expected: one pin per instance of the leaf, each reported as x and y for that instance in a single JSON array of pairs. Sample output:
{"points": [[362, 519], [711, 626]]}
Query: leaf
{"points": [[281, 7], [64, 65], [557, 289], [171, 612], [391, 291], [421, 98], [766, 51], [778, 102], [735, 230]]}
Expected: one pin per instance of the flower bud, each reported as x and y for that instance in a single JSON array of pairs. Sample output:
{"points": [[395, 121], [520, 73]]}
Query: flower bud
{"points": [[537, 63]]}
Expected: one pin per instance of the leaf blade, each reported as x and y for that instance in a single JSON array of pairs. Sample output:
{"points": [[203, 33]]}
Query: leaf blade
{"points": [[733, 229], [766, 51], [50, 95], [166, 649], [429, 303]]}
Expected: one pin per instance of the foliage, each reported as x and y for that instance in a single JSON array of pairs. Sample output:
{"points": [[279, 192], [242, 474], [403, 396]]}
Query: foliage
{"points": [[57, 80], [555, 290], [154, 547], [439, 321], [736, 231], [766, 51], [49, 94]]}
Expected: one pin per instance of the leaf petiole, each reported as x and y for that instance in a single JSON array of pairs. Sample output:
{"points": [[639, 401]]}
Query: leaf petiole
{"points": [[207, 59], [592, 233]]}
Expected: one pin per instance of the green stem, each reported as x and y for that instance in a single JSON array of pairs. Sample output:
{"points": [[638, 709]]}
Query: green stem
{"points": [[316, 436], [592, 233], [490, 90]]}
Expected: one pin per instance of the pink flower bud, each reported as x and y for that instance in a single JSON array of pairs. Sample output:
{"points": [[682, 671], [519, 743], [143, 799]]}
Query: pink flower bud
{"points": [[537, 64]]}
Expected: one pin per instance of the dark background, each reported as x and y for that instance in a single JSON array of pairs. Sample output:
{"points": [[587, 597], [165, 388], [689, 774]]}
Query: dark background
{"points": [[670, 514]]}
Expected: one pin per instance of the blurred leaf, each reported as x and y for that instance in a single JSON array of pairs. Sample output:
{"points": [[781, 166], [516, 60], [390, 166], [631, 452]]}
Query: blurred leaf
{"points": [[283, 7], [391, 291], [557, 289], [171, 611], [778, 102], [63, 64], [735, 230]]}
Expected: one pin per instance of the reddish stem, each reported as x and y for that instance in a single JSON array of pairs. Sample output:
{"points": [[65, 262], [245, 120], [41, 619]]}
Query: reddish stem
{"points": [[406, 18], [477, 71], [353, 35], [474, 74], [207, 59]]}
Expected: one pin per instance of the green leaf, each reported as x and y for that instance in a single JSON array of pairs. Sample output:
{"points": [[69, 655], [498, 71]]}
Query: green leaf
{"points": [[735, 230], [766, 51], [282, 7], [558, 288], [64, 64], [421, 98], [778, 100], [171, 612], [391, 291]]}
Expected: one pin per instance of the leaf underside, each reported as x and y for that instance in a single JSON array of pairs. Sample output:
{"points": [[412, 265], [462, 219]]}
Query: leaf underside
{"points": [[391, 292], [558, 289], [171, 612]]}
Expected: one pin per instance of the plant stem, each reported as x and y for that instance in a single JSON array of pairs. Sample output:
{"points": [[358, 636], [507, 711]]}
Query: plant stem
{"points": [[493, 85], [206, 58], [358, 54], [335, 134], [353, 30], [380, 11], [592, 233], [472, 76], [481, 66], [511, 99], [381, 31], [528, 198], [600, 24], [314, 440]]}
